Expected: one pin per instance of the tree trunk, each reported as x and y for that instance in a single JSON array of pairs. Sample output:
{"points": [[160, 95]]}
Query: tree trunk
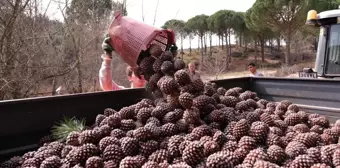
{"points": [[227, 51], [205, 43], [198, 44], [216, 72], [54, 86], [210, 38], [182, 47], [80, 82], [278, 43], [226, 44], [222, 40], [297, 50], [262, 41], [8, 53], [240, 38], [219, 40], [189, 46], [255, 47], [271, 45], [287, 57], [229, 42], [200, 67]]}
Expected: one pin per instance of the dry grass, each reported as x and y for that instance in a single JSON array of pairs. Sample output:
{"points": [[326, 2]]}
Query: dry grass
{"points": [[272, 66], [283, 71], [292, 71], [237, 74]]}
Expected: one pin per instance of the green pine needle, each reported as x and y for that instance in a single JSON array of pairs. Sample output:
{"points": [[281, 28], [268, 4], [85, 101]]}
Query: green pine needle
{"points": [[66, 126]]}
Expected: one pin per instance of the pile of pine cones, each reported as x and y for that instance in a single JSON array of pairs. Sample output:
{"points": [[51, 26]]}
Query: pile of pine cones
{"points": [[194, 124]]}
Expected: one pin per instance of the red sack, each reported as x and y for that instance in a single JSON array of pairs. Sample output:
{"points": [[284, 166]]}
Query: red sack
{"points": [[129, 37]]}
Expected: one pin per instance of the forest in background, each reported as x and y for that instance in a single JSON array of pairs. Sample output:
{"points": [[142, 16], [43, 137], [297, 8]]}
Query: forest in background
{"points": [[37, 54], [266, 23]]}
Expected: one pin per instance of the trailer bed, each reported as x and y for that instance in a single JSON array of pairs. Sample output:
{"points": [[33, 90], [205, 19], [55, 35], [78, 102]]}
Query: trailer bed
{"points": [[24, 122]]}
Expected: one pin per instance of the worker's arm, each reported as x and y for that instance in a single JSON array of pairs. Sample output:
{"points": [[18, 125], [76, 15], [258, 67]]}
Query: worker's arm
{"points": [[105, 75], [105, 72]]}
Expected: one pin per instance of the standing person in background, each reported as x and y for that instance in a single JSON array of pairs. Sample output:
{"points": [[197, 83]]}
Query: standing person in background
{"points": [[253, 71], [192, 72], [105, 72]]}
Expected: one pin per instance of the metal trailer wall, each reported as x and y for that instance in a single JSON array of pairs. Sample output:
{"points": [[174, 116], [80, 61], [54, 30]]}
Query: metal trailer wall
{"points": [[320, 96], [24, 122]]}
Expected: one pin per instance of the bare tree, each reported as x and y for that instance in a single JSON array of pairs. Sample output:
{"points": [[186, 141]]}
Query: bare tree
{"points": [[154, 17], [38, 54], [214, 66], [143, 16]]}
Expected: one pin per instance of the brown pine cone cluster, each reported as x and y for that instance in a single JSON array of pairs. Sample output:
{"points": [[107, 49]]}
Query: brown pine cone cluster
{"points": [[192, 123]]}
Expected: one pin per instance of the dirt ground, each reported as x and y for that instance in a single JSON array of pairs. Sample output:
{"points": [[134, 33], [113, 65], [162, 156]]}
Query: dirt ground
{"points": [[272, 66]]}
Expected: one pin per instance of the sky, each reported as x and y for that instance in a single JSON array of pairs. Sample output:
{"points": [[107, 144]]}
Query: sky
{"points": [[174, 9]]}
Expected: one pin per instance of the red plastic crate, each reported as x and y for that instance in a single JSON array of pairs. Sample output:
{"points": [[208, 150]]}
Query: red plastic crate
{"points": [[129, 37]]}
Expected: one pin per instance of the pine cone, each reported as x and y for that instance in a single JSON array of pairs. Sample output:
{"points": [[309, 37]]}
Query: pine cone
{"points": [[276, 154], [294, 149], [210, 147], [103, 143], [265, 164], [173, 145], [302, 161], [230, 146], [160, 156], [327, 153], [129, 162], [94, 162], [241, 129], [193, 153], [147, 148], [255, 155], [259, 131], [247, 142], [320, 165], [221, 159], [315, 154], [129, 146], [142, 134]]}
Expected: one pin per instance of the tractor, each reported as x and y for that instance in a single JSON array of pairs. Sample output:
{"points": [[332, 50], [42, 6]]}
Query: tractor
{"points": [[327, 63]]}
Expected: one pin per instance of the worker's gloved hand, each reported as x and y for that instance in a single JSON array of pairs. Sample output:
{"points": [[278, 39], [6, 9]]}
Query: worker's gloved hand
{"points": [[173, 48], [106, 45]]}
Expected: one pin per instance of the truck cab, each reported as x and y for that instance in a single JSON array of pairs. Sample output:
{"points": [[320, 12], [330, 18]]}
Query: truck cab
{"points": [[327, 63]]}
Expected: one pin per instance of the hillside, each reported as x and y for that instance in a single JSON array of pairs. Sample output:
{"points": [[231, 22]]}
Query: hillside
{"points": [[273, 64]]}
